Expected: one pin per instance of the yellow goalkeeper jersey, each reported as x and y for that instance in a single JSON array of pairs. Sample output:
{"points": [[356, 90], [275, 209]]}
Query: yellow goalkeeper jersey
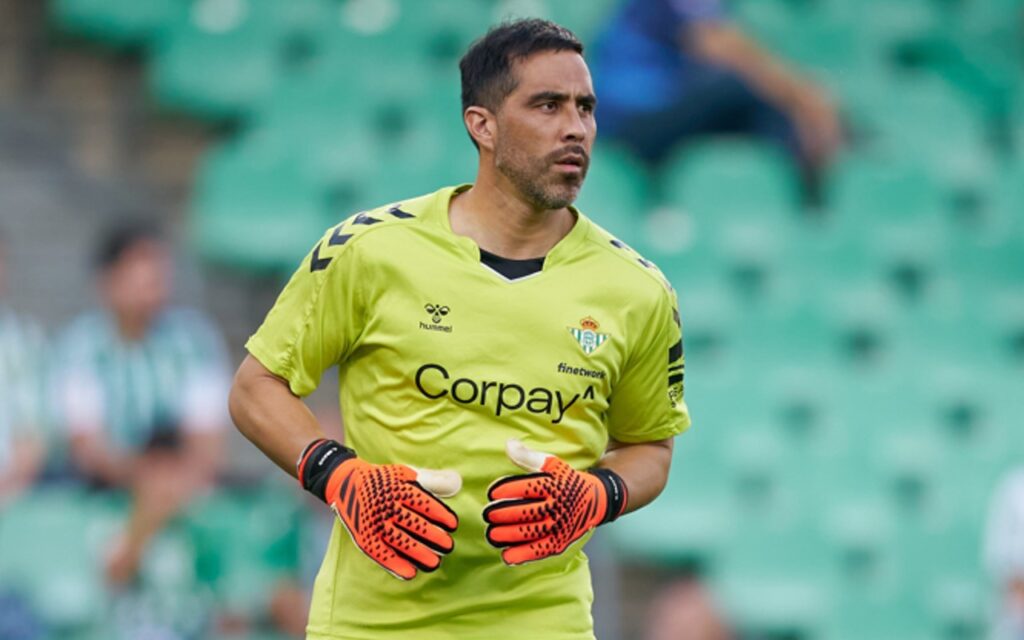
{"points": [[441, 361]]}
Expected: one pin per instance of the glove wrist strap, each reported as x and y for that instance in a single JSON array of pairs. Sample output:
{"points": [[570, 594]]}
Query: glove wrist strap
{"points": [[615, 490], [318, 461]]}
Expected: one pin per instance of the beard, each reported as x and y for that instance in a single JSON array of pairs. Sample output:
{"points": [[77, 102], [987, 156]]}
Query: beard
{"points": [[534, 179]]}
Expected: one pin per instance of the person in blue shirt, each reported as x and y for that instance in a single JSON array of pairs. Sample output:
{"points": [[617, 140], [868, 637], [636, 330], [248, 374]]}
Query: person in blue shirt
{"points": [[672, 70]]}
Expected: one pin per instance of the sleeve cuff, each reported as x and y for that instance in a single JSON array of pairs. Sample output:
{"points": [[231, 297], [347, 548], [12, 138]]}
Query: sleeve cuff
{"points": [[668, 430], [258, 350]]}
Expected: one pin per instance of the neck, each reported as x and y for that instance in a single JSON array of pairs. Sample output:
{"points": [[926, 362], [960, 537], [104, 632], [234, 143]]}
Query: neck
{"points": [[501, 221]]}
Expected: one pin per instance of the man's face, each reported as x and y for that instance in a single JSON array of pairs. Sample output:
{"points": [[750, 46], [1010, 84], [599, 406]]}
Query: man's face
{"points": [[546, 128], [138, 285]]}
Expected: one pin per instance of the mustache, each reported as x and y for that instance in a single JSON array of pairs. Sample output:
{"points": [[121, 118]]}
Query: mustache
{"points": [[574, 149]]}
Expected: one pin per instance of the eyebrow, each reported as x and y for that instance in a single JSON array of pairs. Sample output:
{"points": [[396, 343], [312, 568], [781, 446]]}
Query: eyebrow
{"points": [[587, 99]]}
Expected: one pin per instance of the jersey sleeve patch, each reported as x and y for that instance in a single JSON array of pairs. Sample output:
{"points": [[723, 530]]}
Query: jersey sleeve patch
{"points": [[351, 226]]}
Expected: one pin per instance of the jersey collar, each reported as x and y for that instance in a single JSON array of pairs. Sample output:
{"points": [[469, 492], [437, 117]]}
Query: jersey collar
{"points": [[561, 252]]}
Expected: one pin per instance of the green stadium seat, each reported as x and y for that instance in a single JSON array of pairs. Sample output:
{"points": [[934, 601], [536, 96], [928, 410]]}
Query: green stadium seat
{"points": [[876, 610], [586, 19], [731, 179], [246, 541], [256, 210], [682, 531], [774, 606], [960, 608], [616, 194], [858, 533], [120, 23], [54, 531], [815, 36], [433, 34], [899, 117], [689, 523], [243, 50], [235, 73], [709, 317], [873, 190], [679, 242]]}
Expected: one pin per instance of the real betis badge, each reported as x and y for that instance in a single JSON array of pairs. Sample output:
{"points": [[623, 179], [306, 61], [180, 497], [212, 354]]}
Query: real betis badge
{"points": [[587, 336]]}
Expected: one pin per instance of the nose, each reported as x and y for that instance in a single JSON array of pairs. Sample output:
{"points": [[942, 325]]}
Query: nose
{"points": [[575, 129]]}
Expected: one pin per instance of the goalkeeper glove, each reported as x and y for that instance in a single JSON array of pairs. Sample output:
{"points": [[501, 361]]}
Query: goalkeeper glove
{"points": [[537, 515], [390, 510]]}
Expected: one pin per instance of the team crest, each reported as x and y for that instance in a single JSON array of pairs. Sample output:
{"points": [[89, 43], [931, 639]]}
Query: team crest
{"points": [[587, 336]]}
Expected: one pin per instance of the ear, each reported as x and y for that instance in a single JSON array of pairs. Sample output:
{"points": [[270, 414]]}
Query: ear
{"points": [[482, 126]]}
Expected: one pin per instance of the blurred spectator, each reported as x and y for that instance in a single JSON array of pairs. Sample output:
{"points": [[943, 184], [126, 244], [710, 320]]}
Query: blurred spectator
{"points": [[684, 610], [22, 358], [1004, 554], [142, 388], [671, 70]]}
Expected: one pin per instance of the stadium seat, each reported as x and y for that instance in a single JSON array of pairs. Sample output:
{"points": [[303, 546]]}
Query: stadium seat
{"points": [[57, 529], [773, 606], [884, 190], [255, 210], [616, 194], [731, 179], [246, 541], [434, 34], [239, 52], [585, 18], [880, 609], [119, 23]]}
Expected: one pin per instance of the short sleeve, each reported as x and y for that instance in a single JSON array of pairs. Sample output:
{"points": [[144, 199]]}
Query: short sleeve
{"points": [[647, 402], [27, 389], [77, 384], [205, 380], [317, 317]]}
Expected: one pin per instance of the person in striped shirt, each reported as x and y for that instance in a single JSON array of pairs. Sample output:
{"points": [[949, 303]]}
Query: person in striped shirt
{"points": [[22, 358], [141, 386]]}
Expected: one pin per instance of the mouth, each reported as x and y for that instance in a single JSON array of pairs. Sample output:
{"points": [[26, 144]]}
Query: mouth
{"points": [[571, 163]]}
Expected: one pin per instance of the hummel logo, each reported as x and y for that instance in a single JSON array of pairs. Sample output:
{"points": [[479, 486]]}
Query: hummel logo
{"points": [[437, 313]]}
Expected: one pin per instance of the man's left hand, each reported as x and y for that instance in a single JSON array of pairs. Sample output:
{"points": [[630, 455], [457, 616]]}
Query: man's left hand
{"points": [[540, 514]]}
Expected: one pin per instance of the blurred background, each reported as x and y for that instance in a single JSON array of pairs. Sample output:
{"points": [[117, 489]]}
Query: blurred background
{"points": [[834, 187]]}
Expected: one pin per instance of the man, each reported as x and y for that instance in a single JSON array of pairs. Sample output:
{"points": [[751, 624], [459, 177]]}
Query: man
{"points": [[671, 70], [140, 387], [1004, 554], [486, 330], [22, 358]]}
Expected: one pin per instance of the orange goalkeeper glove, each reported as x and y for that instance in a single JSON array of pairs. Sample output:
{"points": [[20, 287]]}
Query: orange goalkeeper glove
{"points": [[390, 510], [538, 515]]}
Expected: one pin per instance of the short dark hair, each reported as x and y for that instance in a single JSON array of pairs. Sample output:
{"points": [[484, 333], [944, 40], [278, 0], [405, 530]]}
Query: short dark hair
{"points": [[121, 237], [486, 68]]}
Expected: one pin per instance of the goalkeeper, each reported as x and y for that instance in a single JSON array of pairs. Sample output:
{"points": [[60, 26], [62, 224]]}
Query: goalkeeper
{"points": [[510, 375]]}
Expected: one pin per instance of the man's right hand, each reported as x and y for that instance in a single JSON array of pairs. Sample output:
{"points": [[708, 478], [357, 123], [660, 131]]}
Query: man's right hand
{"points": [[817, 123], [392, 511]]}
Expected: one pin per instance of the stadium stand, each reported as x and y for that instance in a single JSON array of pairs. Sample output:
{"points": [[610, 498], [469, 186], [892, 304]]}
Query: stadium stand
{"points": [[854, 376]]}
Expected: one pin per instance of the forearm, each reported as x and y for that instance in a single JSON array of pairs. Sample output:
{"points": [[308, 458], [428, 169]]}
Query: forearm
{"points": [[96, 459], [643, 467], [24, 466], [28, 460], [727, 46], [266, 412]]}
